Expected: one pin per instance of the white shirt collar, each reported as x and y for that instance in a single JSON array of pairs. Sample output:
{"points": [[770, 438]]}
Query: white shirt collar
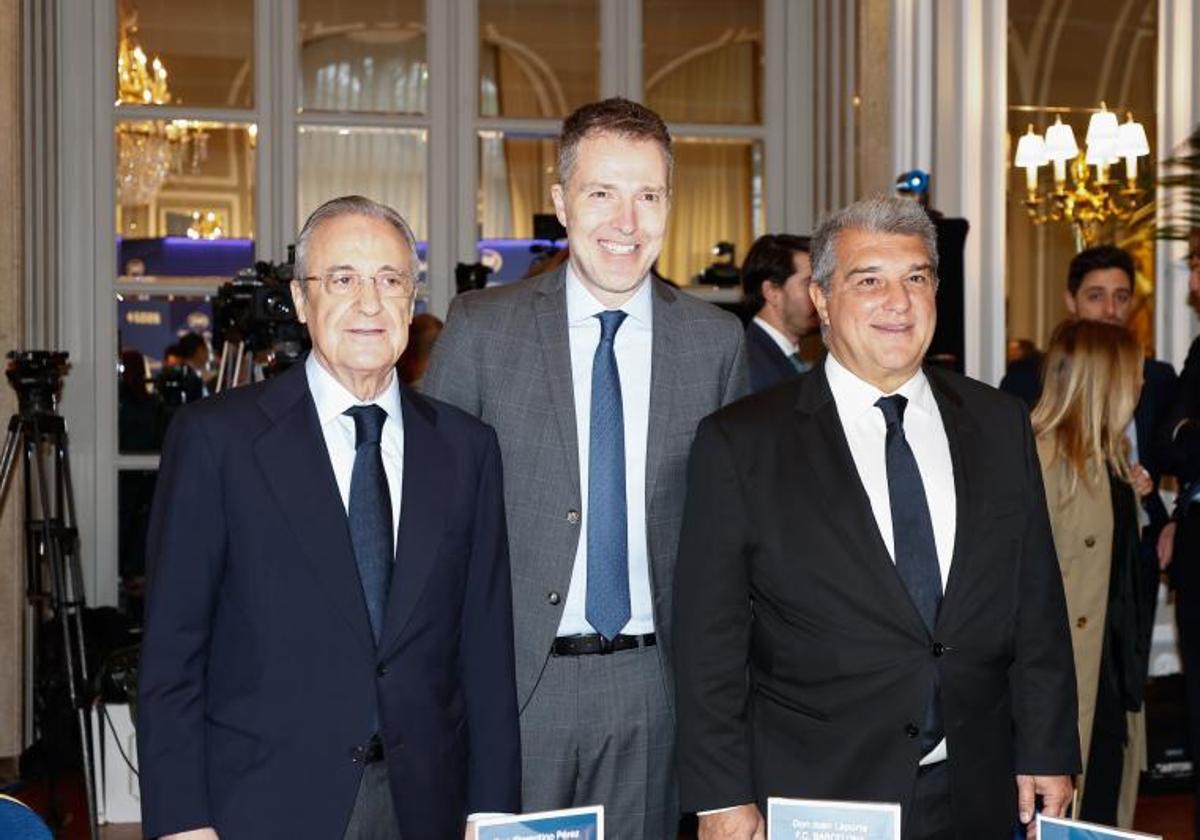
{"points": [[785, 343], [332, 398], [855, 396], [581, 305]]}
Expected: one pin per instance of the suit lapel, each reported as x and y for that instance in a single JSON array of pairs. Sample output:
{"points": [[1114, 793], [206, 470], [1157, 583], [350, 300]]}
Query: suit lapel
{"points": [[847, 506], [426, 489], [962, 435], [664, 366], [550, 310], [295, 462]]}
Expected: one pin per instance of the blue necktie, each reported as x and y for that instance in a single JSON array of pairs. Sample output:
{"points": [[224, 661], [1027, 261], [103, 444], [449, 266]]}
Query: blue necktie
{"points": [[914, 545], [607, 607], [371, 512]]}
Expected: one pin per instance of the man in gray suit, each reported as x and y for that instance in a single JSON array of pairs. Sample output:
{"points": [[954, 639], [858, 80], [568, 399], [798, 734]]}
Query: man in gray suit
{"points": [[595, 376]]}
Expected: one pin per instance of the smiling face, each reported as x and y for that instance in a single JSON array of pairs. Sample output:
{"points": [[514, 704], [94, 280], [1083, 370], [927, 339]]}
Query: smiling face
{"points": [[881, 310], [359, 336], [1104, 294], [614, 207]]}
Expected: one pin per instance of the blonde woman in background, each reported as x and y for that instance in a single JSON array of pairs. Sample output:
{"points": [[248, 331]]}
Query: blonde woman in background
{"points": [[1093, 375]]}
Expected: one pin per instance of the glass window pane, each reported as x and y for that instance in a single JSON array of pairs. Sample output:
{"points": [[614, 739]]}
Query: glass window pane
{"points": [[703, 60], [515, 174], [153, 376], [537, 58], [387, 165], [716, 197], [205, 53], [363, 55], [1098, 55], [135, 492], [184, 178]]}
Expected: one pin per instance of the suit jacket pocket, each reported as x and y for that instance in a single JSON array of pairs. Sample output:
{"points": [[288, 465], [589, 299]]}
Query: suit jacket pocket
{"points": [[792, 705]]}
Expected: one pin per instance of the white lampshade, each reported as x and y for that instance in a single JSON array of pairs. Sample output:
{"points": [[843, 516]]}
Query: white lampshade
{"points": [[1102, 127], [1031, 150], [1060, 141], [1102, 153], [1131, 139]]}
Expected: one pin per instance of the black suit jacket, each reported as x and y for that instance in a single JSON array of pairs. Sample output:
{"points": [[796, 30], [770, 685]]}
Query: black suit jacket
{"points": [[783, 577], [769, 366], [260, 675]]}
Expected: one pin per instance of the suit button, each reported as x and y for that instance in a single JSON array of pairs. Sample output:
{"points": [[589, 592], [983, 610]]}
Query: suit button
{"points": [[1089, 541], [381, 671], [1081, 622], [573, 517], [938, 648], [553, 598], [356, 754], [911, 730]]}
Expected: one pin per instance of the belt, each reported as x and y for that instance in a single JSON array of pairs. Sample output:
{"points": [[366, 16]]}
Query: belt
{"points": [[595, 643], [370, 753]]}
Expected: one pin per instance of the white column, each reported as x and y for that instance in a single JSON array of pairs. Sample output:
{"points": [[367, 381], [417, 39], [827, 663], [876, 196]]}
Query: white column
{"points": [[968, 163], [912, 60], [1178, 114]]}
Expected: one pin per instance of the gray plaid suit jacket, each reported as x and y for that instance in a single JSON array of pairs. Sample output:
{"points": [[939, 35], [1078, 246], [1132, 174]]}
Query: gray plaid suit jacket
{"points": [[504, 357]]}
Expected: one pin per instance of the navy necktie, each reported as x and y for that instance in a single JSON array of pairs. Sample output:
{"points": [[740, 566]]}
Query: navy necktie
{"points": [[607, 608], [371, 512], [914, 545]]}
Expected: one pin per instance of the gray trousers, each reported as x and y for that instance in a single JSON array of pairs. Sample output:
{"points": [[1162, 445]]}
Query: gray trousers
{"points": [[599, 731], [374, 816]]}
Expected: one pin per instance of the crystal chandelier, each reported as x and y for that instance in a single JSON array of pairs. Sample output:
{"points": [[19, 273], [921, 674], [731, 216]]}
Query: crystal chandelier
{"points": [[150, 150], [1091, 199]]}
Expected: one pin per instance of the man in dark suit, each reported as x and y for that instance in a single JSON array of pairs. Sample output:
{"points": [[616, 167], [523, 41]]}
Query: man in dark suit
{"points": [[1179, 548], [301, 677], [1100, 288], [775, 279], [893, 628], [594, 376]]}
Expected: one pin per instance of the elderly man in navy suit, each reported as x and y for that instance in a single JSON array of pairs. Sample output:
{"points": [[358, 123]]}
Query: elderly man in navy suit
{"points": [[328, 645]]}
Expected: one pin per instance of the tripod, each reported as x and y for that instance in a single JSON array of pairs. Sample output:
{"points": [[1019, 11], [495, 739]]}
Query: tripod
{"points": [[53, 576]]}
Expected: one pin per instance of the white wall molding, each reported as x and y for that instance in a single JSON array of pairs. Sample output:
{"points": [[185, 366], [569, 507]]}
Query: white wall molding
{"points": [[912, 59]]}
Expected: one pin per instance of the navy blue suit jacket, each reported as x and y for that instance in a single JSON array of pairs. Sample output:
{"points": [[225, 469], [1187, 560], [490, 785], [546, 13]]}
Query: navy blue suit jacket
{"points": [[260, 675], [769, 366]]}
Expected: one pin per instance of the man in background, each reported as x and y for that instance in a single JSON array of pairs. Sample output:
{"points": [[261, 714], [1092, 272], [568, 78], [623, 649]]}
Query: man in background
{"points": [[595, 375], [415, 359], [775, 280]]}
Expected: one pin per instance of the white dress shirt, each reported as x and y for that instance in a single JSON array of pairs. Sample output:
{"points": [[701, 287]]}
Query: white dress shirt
{"points": [[332, 399], [632, 347], [866, 433], [785, 344]]}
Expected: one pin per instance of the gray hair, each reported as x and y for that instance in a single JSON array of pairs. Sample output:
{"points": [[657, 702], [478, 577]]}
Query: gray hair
{"points": [[349, 205], [881, 214]]}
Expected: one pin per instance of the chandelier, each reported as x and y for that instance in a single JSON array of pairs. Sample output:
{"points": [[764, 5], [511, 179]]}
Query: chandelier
{"points": [[1090, 199], [149, 150]]}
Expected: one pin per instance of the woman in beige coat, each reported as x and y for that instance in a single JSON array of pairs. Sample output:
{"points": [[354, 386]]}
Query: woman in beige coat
{"points": [[1092, 379]]}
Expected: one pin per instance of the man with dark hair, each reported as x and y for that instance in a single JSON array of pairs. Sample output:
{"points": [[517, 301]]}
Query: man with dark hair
{"points": [[775, 280], [328, 647], [1100, 283], [595, 375], [892, 628]]}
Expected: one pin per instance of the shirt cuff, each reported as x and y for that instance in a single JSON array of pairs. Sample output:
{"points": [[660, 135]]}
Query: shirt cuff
{"points": [[721, 810]]}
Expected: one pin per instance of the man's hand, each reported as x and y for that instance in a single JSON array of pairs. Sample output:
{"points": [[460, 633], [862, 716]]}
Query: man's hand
{"points": [[741, 823], [1143, 484], [1056, 794], [198, 834], [1166, 545], [469, 834]]}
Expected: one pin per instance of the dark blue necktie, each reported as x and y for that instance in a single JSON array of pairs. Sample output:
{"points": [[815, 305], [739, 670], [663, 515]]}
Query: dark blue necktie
{"points": [[607, 607], [371, 512], [914, 545]]}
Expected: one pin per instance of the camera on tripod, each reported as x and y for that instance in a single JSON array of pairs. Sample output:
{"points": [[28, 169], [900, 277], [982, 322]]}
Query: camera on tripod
{"points": [[36, 375], [255, 317]]}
